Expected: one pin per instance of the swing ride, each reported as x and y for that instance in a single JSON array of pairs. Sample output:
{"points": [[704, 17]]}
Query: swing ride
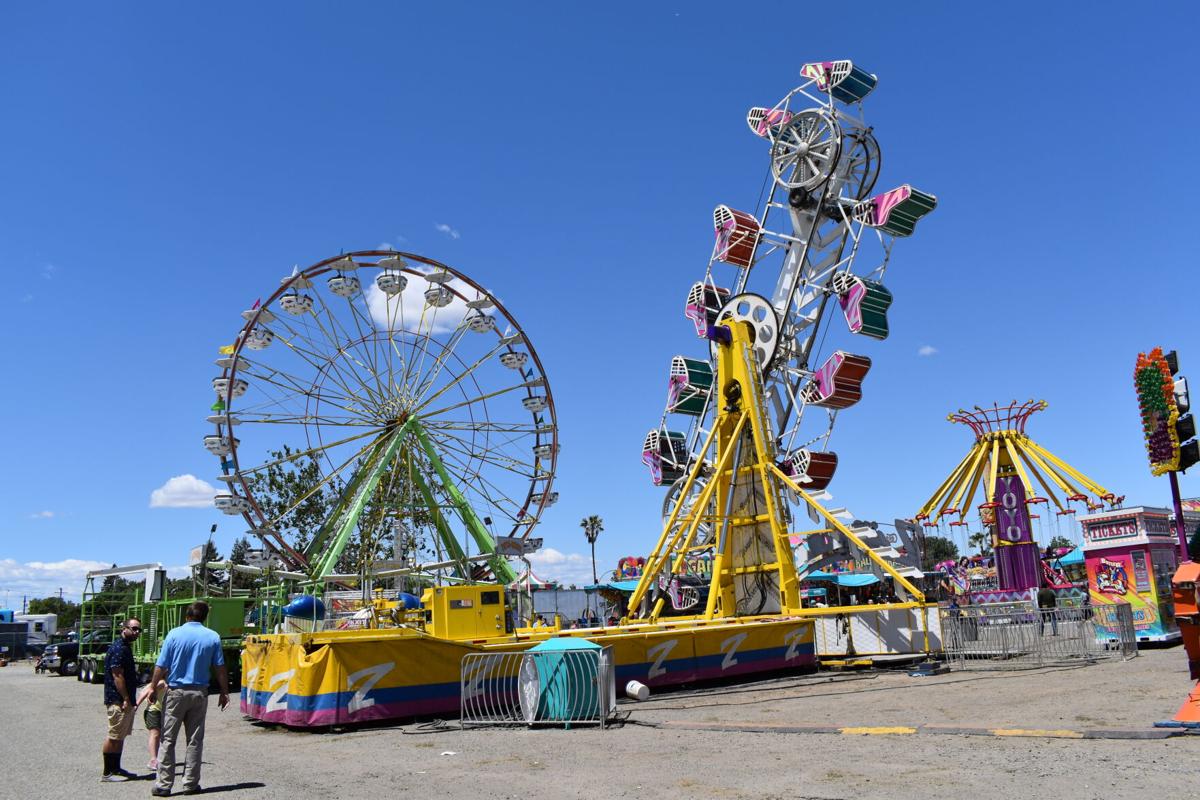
{"points": [[1011, 475], [740, 470]]}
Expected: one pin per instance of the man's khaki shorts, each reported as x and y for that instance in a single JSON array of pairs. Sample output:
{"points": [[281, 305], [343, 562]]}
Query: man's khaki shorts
{"points": [[120, 723]]}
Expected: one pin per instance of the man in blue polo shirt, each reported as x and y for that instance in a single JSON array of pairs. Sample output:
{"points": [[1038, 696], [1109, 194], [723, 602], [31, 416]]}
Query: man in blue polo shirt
{"points": [[190, 654]]}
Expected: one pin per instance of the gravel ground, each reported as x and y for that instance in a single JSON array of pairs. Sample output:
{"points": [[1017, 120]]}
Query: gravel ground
{"points": [[52, 728]]}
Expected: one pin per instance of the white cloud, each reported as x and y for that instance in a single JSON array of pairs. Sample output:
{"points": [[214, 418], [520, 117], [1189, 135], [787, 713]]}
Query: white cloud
{"points": [[446, 229], [183, 491], [926, 350], [41, 579], [26, 298], [48, 271], [408, 311], [42, 515], [566, 568], [385, 246]]}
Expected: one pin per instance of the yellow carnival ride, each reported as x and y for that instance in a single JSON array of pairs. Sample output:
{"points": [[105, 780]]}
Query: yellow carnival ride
{"points": [[416, 445]]}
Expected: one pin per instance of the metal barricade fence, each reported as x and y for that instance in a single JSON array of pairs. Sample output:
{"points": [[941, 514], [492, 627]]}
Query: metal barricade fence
{"points": [[560, 687], [1012, 637]]}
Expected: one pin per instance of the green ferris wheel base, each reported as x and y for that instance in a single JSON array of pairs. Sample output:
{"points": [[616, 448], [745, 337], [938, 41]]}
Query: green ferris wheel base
{"points": [[330, 542]]}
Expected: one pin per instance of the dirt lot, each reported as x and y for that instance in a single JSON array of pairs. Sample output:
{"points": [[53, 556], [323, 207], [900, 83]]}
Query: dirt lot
{"points": [[45, 715]]}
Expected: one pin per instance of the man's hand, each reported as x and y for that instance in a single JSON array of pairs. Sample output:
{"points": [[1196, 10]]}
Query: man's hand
{"points": [[223, 701], [126, 705]]}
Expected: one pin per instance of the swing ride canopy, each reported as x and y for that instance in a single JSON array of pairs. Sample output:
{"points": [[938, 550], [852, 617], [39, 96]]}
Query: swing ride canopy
{"points": [[1001, 449]]}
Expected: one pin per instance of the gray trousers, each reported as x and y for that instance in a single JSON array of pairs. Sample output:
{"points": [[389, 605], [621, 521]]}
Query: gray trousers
{"points": [[186, 709]]}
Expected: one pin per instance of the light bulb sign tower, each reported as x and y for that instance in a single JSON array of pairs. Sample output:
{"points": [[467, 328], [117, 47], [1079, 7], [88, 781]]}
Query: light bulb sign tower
{"points": [[1163, 398]]}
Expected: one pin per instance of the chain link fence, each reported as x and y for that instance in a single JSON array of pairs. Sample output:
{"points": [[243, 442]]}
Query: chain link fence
{"points": [[561, 687], [1021, 636]]}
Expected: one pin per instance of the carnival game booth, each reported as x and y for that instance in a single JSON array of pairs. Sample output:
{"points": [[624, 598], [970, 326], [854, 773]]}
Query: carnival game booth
{"points": [[1131, 554]]}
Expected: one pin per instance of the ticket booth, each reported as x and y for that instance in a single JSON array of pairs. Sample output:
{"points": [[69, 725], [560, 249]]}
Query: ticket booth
{"points": [[1131, 555]]}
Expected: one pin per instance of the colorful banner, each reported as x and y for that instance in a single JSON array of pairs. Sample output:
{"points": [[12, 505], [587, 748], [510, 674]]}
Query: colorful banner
{"points": [[1111, 580]]}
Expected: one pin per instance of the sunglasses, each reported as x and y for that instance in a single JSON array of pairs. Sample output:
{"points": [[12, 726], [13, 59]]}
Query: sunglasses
{"points": [[134, 628]]}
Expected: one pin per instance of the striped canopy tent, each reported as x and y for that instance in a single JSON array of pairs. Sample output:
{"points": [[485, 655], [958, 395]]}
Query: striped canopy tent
{"points": [[1003, 451], [529, 580]]}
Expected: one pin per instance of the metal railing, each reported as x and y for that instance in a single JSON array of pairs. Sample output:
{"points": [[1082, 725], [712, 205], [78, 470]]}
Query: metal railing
{"points": [[559, 687], [1012, 637]]}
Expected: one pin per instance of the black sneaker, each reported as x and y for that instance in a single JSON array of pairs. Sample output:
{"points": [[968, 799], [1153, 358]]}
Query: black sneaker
{"points": [[157, 792]]}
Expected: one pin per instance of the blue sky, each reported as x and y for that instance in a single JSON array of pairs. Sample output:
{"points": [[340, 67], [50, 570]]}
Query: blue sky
{"points": [[163, 166]]}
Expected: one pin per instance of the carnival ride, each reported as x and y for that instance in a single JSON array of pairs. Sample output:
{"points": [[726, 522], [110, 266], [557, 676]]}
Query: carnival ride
{"points": [[1005, 470], [817, 247], [739, 473], [404, 394]]}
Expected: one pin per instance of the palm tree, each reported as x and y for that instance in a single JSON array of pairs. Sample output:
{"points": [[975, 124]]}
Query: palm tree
{"points": [[592, 526], [983, 541]]}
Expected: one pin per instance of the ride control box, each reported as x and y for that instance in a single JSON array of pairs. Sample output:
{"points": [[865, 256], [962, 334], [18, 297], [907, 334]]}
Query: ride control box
{"points": [[465, 612]]}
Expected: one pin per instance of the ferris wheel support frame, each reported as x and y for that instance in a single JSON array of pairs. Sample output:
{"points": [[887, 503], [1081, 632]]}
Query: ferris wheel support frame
{"points": [[349, 508]]}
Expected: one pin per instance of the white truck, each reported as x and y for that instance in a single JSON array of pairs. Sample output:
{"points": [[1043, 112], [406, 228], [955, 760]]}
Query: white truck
{"points": [[42, 628]]}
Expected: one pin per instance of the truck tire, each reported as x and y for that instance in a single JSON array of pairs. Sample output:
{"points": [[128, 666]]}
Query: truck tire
{"points": [[97, 671], [85, 670], [70, 666]]}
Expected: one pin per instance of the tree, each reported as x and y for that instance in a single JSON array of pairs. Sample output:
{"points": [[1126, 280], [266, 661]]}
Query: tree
{"points": [[1060, 541], [299, 498], [238, 554], [937, 549], [215, 577], [67, 611], [982, 540], [592, 526]]}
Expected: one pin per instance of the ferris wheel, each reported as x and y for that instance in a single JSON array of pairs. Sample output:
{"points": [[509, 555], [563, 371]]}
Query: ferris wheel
{"points": [[816, 248], [401, 390]]}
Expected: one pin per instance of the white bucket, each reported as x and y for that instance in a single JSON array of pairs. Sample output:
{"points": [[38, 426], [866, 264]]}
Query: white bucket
{"points": [[637, 691]]}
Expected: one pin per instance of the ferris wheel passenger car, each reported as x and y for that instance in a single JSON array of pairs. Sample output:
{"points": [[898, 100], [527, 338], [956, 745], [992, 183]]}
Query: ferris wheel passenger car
{"points": [[665, 453], [843, 80], [813, 471], [689, 385], [895, 212], [703, 303], [738, 234]]}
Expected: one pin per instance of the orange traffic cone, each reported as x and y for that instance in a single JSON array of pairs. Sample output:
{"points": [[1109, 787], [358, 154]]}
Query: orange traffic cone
{"points": [[1190, 710]]}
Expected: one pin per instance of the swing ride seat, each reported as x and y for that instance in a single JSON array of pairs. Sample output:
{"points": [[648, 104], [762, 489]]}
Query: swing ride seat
{"points": [[689, 385], [766, 122], [838, 383], [738, 234], [665, 453], [813, 471], [843, 80], [864, 304], [703, 303], [895, 212]]}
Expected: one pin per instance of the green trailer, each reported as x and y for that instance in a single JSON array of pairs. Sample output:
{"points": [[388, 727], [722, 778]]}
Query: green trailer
{"points": [[110, 597]]}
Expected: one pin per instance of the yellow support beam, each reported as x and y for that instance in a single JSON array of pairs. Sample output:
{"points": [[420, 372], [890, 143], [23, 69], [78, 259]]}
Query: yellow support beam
{"points": [[837, 524], [932, 502], [962, 499], [1096, 488], [1045, 486]]}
